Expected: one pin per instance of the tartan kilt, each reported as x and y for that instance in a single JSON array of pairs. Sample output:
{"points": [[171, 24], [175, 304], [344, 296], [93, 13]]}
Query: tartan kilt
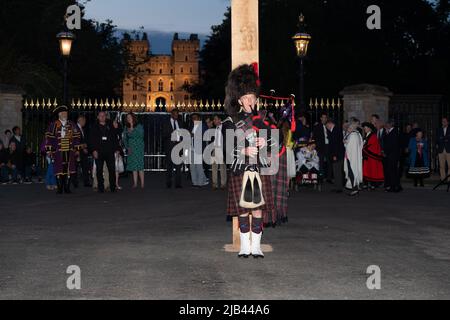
{"points": [[234, 197], [280, 187]]}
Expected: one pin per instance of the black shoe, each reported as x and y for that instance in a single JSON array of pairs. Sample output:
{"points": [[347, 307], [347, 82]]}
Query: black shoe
{"points": [[243, 256], [67, 183], [258, 257], [354, 193], [60, 185]]}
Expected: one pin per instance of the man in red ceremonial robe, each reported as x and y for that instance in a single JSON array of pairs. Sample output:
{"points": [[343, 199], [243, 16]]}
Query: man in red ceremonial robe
{"points": [[372, 157]]}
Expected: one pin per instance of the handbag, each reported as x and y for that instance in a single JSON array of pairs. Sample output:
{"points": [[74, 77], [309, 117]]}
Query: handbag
{"points": [[120, 168], [251, 194]]}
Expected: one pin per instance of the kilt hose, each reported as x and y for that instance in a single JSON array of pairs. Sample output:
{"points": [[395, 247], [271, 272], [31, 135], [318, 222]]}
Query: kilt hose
{"points": [[234, 197]]}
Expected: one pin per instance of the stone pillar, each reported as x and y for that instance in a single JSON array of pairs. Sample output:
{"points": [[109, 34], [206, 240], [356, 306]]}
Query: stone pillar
{"points": [[10, 107], [244, 32], [363, 100]]}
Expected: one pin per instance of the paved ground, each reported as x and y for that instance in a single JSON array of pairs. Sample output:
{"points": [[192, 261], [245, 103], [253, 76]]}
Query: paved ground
{"points": [[159, 244]]}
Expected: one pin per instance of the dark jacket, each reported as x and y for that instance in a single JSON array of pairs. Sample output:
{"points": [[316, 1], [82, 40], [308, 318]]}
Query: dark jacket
{"points": [[15, 158], [391, 143], [103, 139], [443, 141], [167, 131], [319, 137], [20, 145], [29, 159], [4, 156], [336, 147], [303, 133]]}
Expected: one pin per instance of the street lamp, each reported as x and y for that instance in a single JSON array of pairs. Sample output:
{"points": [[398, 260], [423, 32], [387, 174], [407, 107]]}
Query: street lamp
{"points": [[65, 46], [301, 41]]}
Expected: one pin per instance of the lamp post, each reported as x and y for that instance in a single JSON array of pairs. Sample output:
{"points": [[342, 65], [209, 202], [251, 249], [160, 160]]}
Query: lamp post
{"points": [[301, 41], [65, 46]]}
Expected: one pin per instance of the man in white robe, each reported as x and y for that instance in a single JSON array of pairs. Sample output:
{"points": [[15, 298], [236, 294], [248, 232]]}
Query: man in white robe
{"points": [[353, 164]]}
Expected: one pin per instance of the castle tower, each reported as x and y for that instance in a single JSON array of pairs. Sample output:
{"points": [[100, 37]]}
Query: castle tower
{"points": [[186, 56], [162, 79]]}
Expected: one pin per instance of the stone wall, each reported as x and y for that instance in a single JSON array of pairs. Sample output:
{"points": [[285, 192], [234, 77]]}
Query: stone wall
{"points": [[10, 107], [363, 100]]}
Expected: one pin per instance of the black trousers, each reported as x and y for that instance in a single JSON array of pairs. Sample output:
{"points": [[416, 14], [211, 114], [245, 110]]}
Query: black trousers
{"points": [[170, 168], [110, 160], [338, 172], [85, 169], [392, 176], [326, 165]]}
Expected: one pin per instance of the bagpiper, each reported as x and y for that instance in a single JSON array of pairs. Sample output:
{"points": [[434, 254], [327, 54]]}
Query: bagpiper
{"points": [[250, 191], [62, 143]]}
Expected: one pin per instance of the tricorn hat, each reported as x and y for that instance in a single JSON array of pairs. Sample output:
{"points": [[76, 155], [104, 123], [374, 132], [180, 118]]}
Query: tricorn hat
{"points": [[242, 81], [60, 109]]}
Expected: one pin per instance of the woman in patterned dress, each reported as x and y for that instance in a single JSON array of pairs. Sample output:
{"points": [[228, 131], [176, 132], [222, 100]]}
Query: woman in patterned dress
{"points": [[419, 159], [133, 139]]}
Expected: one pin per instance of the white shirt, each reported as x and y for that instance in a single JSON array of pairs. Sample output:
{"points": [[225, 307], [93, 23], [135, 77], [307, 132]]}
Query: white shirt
{"points": [[81, 130], [218, 138], [63, 131], [445, 131], [175, 126], [325, 132]]}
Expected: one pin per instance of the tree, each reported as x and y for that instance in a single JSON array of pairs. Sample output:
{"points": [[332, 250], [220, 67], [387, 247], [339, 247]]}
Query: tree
{"points": [[30, 52], [215, 62], [409, 54]]}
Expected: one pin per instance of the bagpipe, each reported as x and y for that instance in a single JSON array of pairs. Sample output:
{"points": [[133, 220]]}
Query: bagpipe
{"points": [[287, 110]]}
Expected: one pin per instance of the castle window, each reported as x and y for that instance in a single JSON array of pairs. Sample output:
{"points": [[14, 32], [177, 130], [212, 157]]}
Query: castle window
{"points": [[134, 97], [161, 85], [171, 87], [182, 70], [135, 85], [192, 70], [186, 59], [186, 82], [149, 86], [160, 71], [171, 71]]}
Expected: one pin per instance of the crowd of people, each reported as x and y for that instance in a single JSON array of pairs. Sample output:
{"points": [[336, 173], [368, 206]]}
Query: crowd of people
{"points": [[361, 156], [18, 163], [353, 156], [365, 156]]}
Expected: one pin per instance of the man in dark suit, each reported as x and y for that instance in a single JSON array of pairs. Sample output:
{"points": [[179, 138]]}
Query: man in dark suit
{"points": [[104, 145], [83, 160], [322, 141], [443, 147], [336, 152], [21, 145], [391, 151], [168, 127]]}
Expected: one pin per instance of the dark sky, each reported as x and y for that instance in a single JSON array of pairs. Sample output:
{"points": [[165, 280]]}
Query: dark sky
{"points": [[190, 16]]}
